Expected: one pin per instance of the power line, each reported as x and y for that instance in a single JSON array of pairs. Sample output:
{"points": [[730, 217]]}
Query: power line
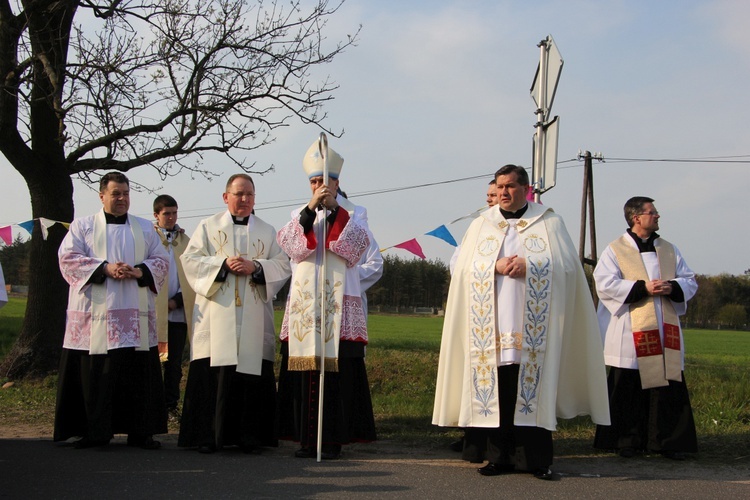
{"points": [[561, 165]]}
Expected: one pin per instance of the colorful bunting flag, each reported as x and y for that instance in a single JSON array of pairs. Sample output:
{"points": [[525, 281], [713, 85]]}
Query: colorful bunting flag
{"points": [[7, 235], [443, 233], [46, 224], [28, 225], [413, 247]]}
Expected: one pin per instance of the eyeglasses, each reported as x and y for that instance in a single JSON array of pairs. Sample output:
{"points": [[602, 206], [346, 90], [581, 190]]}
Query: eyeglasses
{"points": [[653, 213], [243, 195]]}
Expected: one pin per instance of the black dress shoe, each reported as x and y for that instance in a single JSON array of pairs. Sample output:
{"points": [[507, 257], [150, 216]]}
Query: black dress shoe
{"points": [[305, 453], [674, 455], [546, 474], [330, 451], [493, 469], [251, 449], [84, 443], [143, 442], [206, 448]]}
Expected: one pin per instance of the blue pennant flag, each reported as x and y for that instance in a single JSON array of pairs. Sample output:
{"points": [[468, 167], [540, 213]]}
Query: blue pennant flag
{"points": [[443, 233], [28, 225]]}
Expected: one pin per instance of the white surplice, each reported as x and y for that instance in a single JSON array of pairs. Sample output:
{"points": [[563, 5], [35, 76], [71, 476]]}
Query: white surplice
{"points": [[77, 264], [614, 313]]}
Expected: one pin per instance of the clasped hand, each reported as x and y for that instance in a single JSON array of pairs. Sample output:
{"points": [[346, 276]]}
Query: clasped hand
{"points": [[122, 271], [240, 266], [659, 287], [513, 266]]}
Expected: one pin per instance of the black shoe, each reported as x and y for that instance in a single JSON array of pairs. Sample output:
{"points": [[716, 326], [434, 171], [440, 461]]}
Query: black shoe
{"points": [[457, 446], [546, 474], [493, 469], [206, 449], [627, 452], [251, 449], [144, 442], [674, 455], [305, 453], [330, 451], [84, 443]]}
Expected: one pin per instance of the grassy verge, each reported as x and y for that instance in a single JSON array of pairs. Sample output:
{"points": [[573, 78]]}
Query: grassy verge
{"points": [[402, 364]]}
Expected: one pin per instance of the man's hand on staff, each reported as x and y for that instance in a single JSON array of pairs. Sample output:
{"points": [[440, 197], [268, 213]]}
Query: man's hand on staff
{"points": [[323, 196], [240, 266]]}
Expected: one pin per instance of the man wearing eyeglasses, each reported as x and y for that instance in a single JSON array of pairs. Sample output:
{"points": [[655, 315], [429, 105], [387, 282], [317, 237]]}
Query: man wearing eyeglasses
{"points": [[235, 267], [643, 285]]}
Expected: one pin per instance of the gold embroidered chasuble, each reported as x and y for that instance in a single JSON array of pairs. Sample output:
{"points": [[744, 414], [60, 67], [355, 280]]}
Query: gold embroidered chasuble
{"points": [[658, 362], [228, 317]]}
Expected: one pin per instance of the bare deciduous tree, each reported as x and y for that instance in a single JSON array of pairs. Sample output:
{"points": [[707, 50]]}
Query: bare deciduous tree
{"points": [[92, 86]]}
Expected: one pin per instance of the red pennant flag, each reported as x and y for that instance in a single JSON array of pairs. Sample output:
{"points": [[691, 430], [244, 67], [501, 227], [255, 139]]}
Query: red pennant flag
{"points": [[7, 235], [413, 247]]}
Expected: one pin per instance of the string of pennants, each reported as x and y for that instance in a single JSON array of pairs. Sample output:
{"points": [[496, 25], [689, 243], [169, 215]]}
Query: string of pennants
{"points": [[412, 245], [440, 232], [6, 232]]}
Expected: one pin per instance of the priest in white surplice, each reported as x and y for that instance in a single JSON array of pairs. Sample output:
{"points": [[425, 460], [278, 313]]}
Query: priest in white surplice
{"points": [[110, 376], [644, 285], [235, 267], [520, 343], [347, 413]]}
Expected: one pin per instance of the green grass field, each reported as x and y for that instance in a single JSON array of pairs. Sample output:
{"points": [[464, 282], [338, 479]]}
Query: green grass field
{"points": [[402, 364]]}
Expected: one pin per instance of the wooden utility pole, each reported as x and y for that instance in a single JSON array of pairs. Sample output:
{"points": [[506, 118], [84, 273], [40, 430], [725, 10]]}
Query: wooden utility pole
{"points": [[588, 198]]}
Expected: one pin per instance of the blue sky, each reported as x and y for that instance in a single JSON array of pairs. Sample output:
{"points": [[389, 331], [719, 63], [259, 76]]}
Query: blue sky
{"points": [[439, 90]]}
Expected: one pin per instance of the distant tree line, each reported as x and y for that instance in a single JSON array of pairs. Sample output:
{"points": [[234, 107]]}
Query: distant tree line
{"points": [[722, 301], [410, 283], [406, 284]]}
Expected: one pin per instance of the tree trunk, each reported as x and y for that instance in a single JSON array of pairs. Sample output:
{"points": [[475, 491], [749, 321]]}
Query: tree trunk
{"points": [[37, 349]]}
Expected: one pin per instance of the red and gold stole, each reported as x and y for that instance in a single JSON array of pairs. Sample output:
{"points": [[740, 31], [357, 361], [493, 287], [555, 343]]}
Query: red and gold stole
{"points": [[657, 363]]}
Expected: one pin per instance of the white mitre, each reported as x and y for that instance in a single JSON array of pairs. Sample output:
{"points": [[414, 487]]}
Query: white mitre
{"points": [[313, 162]]}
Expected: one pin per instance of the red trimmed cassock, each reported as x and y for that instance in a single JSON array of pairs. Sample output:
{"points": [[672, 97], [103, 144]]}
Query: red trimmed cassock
{"points": [[347, 415]]}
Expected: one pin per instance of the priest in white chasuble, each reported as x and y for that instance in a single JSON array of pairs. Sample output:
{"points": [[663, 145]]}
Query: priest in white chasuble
{"points": [[644, 285], [521, 345], [235, 267], [110, 377], [347, 409]]}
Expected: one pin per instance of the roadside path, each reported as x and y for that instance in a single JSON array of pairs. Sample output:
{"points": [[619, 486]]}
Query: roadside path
{"points": [[38, 468]]}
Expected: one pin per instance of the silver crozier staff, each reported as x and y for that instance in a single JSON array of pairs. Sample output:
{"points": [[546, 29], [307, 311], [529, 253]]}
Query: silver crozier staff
{"points": [[323, 148]]}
